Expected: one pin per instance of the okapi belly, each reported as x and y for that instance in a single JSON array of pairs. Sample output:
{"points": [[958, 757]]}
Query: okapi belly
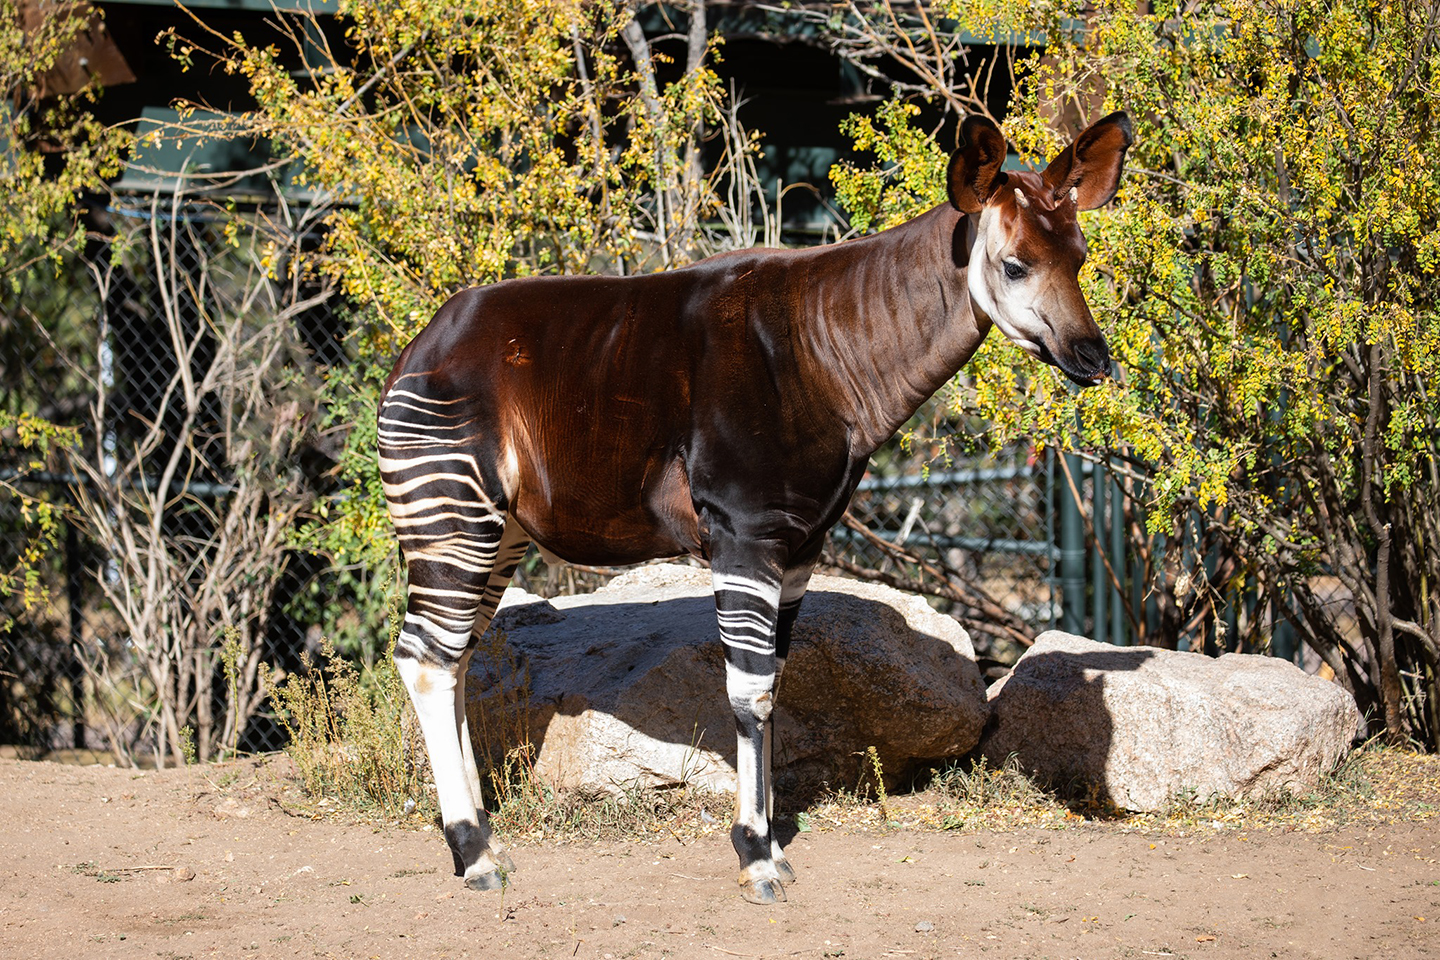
{"points": [[593, 518]]}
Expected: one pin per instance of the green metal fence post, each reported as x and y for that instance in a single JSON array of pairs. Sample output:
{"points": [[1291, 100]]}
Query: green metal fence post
{"points": [[1139, 573], [1282, 634], [1072, 554], [1099, 580], [1118, 631]]}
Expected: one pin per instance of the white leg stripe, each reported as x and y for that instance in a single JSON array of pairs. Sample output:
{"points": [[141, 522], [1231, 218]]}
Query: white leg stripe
{"points": [[747, 777], [743, 688], [397, 392], [755, 588]]}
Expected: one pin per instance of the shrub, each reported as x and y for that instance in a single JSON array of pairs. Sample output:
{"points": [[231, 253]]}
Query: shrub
{"points": [[352, 734], [1268, 282]]}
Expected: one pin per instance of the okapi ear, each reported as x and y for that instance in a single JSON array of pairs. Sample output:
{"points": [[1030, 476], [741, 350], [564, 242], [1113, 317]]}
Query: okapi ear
{"points": [[975, 165], [1092, 164]]}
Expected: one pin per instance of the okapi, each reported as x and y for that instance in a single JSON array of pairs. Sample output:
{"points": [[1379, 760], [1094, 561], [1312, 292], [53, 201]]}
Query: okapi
{"points": [[726, 410]]}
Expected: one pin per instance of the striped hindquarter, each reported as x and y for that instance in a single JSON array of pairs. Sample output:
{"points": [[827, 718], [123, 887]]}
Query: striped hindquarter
{"points": [[460, 548]]}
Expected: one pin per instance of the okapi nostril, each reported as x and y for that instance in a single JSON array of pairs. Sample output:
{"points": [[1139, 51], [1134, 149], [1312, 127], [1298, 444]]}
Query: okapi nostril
{"points": [[1095, 355]]}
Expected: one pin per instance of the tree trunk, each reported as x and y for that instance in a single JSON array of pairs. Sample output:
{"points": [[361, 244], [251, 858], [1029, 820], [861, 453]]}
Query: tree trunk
{"points": [[1391, 692]]}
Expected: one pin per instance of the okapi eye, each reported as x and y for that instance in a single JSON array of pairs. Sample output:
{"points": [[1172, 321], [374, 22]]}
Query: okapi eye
{"points": [[1014, 271]]}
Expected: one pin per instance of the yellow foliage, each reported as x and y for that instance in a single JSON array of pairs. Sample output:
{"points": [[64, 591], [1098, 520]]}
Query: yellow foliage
{"points": [[1270, 181]]}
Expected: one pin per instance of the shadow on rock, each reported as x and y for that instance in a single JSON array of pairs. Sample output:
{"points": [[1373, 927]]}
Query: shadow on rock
{"points": [[627, 686]]}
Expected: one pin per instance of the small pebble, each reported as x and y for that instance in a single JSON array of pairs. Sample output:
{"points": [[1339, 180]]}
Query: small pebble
{"points": [[924, 926], [175, 875], [230, 808], [619, 919]]}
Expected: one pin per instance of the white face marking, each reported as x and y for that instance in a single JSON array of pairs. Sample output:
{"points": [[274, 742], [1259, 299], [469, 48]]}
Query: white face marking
{"points": [[1037, 306], [1007, 303]]}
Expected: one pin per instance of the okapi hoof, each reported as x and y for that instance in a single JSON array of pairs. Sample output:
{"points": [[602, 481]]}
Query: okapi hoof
{"points": [[763, 891], [502, 858], [490, 880], [787, 872]]}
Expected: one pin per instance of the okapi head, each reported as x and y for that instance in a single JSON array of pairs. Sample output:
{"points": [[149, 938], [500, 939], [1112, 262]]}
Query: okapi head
{"points": [[1025, 260]]}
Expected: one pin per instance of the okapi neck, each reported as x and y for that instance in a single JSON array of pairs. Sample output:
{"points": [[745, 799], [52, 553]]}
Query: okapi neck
{"points": [[891, 320]]}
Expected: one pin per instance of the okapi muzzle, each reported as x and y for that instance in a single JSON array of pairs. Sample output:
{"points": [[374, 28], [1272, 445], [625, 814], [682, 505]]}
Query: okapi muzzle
{"points": [[727, 411]]}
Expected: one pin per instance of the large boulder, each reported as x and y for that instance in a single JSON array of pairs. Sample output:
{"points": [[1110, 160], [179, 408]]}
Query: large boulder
{"points": [[1145, 725], [627, 685]]}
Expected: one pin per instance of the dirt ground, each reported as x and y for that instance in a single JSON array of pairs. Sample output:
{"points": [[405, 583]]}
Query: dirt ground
{"points": [[202, 862]]}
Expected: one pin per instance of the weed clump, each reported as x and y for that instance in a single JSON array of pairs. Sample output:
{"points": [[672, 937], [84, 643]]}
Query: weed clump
{"points": [[528, 807], [352, 737], [972, 794]]}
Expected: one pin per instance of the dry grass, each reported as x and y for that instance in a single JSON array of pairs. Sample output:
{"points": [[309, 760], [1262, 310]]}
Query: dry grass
{"points": [[1375, 784], [961, 796], [354, 738], [530, 810], [357, 752]]}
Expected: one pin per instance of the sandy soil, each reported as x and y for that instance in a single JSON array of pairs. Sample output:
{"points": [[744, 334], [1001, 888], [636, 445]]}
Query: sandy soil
{"points": [[100, 862]]}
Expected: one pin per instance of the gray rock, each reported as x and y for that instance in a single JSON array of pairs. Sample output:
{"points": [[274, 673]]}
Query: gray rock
{"points": [[627, 684], [1145, 725]]}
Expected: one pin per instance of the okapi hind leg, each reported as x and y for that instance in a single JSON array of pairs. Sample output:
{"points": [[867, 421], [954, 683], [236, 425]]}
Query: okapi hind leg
{"points": [[451, 527], [428, 657], [513, 544]]}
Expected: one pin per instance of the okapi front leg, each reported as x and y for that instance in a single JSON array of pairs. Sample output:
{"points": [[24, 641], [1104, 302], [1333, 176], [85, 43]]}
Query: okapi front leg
{"points": [[747, 610], [792, 591]]}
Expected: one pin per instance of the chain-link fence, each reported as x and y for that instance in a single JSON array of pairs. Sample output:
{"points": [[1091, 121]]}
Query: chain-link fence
{"points": [[185, 360], [977, 536]]}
